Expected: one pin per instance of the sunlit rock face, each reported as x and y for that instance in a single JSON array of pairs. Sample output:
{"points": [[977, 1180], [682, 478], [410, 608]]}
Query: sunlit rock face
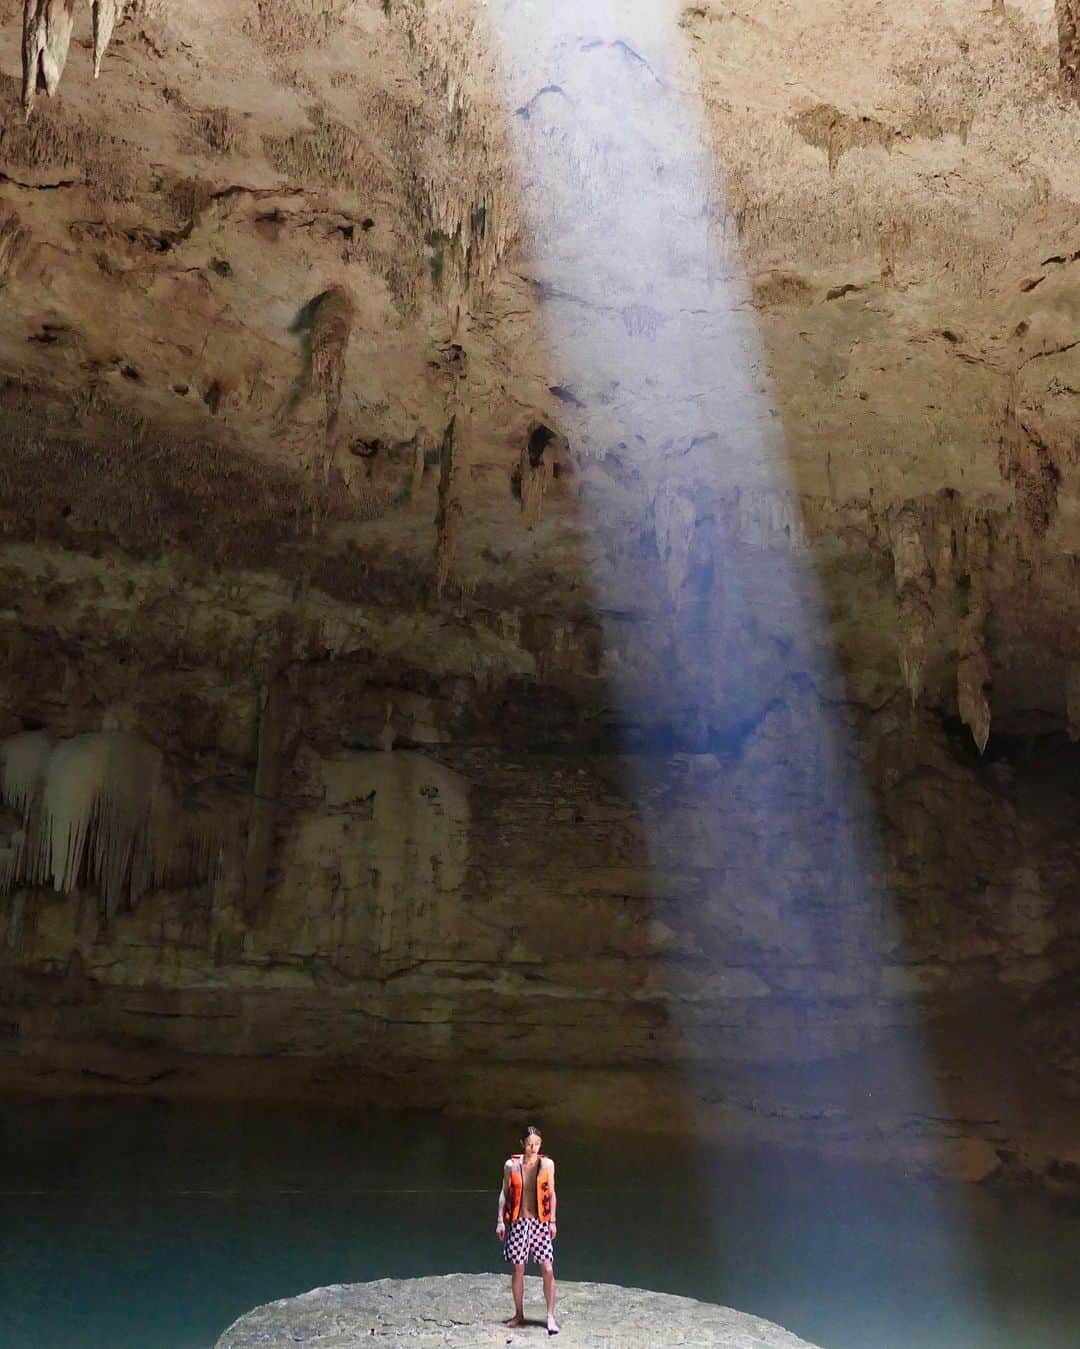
{"points": [[491, 671]]}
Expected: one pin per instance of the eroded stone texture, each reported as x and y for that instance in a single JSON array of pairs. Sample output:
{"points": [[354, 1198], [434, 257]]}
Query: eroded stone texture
{"points": [[47, 26], [1068, 21], [664, 732], [464, 1310]]}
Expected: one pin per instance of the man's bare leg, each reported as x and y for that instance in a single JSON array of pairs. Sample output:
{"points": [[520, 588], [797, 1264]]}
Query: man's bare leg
{"points": [[517, 1287], [548, 1274]]}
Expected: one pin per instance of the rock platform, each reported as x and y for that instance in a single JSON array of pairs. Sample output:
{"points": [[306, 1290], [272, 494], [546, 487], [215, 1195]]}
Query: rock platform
{"points": [[466, 1311]]}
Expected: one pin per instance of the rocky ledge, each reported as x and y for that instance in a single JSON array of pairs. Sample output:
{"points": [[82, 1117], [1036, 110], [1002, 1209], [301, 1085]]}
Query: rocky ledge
{"points": [[466, 1309]]}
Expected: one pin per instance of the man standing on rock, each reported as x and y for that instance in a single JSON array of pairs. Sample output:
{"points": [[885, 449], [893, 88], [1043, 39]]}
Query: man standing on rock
{"points": [[526, 1224]]}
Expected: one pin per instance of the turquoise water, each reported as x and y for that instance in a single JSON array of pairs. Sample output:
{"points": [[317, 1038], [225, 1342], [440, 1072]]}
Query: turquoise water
{"points": [[152, 1226]]}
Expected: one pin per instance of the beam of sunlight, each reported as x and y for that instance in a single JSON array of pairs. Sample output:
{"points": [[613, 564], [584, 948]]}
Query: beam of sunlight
{"points": [[772, 916]]}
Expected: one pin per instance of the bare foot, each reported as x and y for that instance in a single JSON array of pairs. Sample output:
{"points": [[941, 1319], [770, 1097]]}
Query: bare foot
{"points": [[553, 1329], [516, 1320]]}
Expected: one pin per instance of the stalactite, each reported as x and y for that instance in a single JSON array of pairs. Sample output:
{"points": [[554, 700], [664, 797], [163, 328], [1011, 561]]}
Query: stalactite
{"points": [[973, 667], [674, 519], [100, 793], [916, 623], [24, 760], [465, 198], [449, 511], [972, 681], [106, 13], [973, 675], [911, 566], [47, 27], [1068, 26], [913, 578], [273, 725], [331, 328], [534, 473], [10, 853], [98, 809], [533, 480]]}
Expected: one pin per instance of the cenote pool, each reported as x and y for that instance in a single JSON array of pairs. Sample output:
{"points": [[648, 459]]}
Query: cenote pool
{"points": [[153, 1225]]}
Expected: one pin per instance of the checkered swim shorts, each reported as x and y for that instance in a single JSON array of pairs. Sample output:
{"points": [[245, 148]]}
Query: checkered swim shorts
{"points": [[528, 1240]]}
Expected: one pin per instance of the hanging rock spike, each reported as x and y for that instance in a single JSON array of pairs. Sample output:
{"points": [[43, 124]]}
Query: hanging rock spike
{"points": [[106, 12], [47, 26], [331, 327], [915, 627], [46, 38], [972, 681]]}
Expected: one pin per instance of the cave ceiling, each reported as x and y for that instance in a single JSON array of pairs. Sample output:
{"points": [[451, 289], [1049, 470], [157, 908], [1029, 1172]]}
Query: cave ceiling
{"points": [[279, 288]]}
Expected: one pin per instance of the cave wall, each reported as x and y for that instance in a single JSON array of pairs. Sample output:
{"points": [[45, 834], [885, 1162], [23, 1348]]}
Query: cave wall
{"points": [[338, 463], [472, 884]]}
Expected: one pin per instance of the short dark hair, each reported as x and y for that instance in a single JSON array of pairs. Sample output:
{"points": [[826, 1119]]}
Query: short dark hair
{"points": [[531, 1129]]}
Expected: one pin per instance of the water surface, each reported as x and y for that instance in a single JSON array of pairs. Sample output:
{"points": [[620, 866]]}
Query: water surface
{"points": [[146, 1225]]}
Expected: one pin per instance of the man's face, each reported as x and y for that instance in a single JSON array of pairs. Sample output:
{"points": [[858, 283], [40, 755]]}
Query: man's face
{"points": [[531, 1146]]}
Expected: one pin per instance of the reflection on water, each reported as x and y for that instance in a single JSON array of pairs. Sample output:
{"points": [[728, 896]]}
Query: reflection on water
{"points": [[152, 1226]]}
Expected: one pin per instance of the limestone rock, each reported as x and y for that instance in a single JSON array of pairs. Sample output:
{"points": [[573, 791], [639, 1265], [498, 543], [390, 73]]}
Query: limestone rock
{"points": [[1068, 22], [97, 807], [467, 1310], [809, 360], [47, 29], [47, 26], [915, 622], [106, 13], [972, 681], [330, 330], [674, 515]]}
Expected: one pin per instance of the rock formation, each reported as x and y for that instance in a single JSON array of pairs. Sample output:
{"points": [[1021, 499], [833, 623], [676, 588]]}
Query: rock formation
{"points": [[464, 1310], [1068, 22], [96, 809], [47, 28], [603, 560]]}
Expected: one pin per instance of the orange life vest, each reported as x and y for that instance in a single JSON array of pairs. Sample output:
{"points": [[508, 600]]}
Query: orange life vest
{"points": [[545, 1189]]}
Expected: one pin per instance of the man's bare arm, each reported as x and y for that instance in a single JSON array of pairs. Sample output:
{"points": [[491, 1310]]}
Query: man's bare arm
{"points": [[502, 1194]]}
